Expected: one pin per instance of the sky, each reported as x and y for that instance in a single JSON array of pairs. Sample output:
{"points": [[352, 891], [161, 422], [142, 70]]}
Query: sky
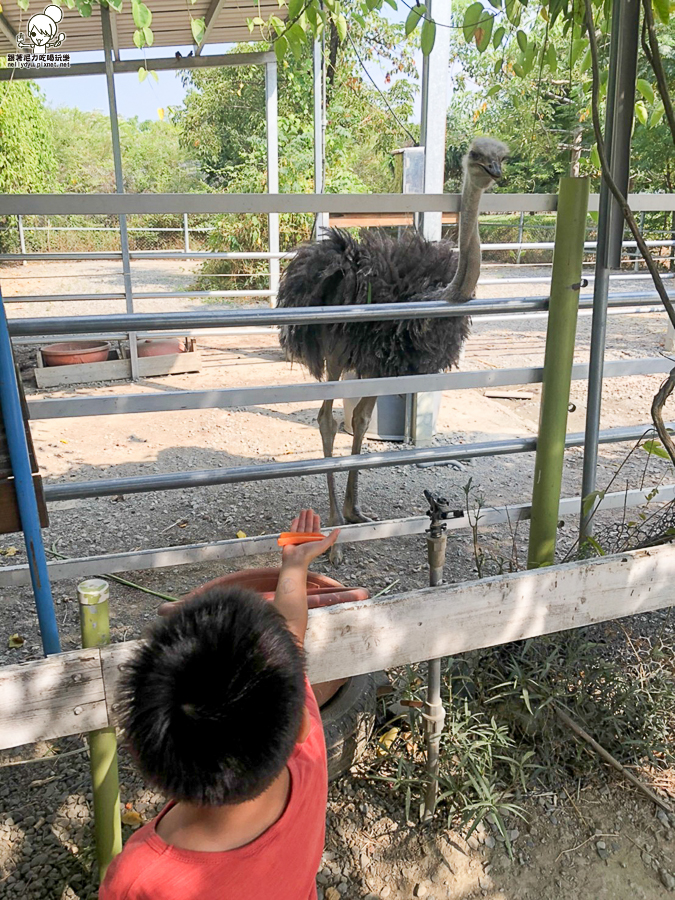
{"points": [[142, 99]]}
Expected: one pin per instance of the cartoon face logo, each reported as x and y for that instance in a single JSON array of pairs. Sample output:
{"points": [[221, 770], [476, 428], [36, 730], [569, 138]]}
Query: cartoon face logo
{"points": [[43, 31]]}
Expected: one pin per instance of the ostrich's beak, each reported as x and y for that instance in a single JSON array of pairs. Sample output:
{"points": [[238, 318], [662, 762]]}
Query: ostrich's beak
{"points": [[494, 169]]}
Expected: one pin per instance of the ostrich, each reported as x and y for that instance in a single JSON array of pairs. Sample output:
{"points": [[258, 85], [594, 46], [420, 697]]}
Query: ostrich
{"points": [[340, 271]]}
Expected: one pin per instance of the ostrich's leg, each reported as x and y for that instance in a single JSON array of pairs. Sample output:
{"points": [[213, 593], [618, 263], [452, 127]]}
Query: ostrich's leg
{"points": [[328, 428], [360, 421]]}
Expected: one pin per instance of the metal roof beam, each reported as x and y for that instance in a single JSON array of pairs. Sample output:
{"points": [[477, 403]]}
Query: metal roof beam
{"points": [[7, 29], [126, 66], [210, 19]]}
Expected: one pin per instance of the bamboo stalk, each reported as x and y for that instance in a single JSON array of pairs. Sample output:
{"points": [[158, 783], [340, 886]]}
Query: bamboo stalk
{"points": [[558, 362], [93, 596]]}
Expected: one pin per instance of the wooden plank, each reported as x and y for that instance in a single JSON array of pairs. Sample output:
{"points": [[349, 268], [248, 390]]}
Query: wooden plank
{"points": [[10, 521], [117, 369], [365, 637], [51, 698]]}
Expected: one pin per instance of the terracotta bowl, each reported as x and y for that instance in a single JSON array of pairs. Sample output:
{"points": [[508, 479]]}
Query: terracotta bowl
{"points": [[160, 347], [71, 353]]}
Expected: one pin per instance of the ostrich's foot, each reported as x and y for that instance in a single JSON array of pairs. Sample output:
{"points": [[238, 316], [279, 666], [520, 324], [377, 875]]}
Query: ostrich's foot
{"points": [[354, 516], [336, 555]]}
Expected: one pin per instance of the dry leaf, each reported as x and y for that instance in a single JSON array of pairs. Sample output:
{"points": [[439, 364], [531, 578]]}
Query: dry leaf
{"points": [[413, 704], [241, 534], [10, 551], [132, 818], [15, 641], [386, 740]]}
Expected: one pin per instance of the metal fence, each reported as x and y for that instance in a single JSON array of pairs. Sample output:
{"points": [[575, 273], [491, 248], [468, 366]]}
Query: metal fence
{"points": [[219, 318]]}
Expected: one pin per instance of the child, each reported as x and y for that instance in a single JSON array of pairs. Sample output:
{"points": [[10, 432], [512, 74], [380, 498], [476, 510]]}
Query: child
{"points": [[220, 716]]}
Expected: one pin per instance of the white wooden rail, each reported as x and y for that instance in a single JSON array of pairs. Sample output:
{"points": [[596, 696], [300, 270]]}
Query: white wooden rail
{"points": [[74, 692]]}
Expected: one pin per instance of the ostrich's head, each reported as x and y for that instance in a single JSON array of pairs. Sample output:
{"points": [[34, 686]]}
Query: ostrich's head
{"points": [[483, 162]]}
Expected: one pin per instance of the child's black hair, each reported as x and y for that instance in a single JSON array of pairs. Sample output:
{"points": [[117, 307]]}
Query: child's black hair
{"points": [[213, 699]]}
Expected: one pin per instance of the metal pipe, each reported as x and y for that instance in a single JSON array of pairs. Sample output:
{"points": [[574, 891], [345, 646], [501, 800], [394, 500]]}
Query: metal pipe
{"points": [[268, 471], [22, 237], [119, 180], [558, 362], [618, 126], [309, 315], [190, 554], [272, 122], [93, 596], [318, 87], [227, 398], [186, 234], [15, 433]]}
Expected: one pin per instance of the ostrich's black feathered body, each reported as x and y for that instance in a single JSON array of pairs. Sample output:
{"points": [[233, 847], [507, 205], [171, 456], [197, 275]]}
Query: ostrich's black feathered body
{"points": [[340, 271]]}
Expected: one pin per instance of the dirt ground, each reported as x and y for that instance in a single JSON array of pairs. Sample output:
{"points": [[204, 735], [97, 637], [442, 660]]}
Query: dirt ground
{"points": [[591, 841]]}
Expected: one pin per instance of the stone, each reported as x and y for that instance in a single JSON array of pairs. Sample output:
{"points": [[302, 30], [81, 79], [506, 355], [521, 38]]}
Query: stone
{"points": [[420, 890], [662, 816], [332, 893], [490, 842], [667, 880]]}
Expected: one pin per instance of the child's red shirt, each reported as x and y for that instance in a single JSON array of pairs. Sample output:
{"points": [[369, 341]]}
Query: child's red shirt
{"points": [[281, 864]]}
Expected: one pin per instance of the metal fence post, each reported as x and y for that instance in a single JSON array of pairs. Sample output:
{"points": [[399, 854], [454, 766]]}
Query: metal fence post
{"points": [[560, 339], [22, 237], [119, 181], [93, 596], [618, 127], [186, 233], [521, 228], [272, 117], [15, 433]]}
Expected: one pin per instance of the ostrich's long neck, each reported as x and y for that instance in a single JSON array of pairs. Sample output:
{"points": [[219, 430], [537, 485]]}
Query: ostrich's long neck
{"points": [[462, 286]]}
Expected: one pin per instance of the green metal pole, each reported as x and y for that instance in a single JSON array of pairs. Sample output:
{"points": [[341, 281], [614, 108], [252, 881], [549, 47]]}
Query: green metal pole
{"points": [[555, 395], [93, 596]]}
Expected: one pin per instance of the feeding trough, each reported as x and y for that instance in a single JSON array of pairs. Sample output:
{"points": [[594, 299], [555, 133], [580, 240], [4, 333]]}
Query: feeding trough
{"points": [[70, 353]]}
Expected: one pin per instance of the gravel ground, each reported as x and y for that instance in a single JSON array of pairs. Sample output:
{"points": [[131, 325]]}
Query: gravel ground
{"points": [[372, 851]]}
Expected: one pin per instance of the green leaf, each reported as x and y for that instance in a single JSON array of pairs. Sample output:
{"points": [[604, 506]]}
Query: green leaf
{"points": [[198, 27], [393, 4], [641, 113], [512, 12], [141, 13], [471, 18], [341, 26], [657, 115], [258, 20], [428, 36], [586, 61], [498, 36], [85, 10], [655, 448], [498, 66], [495, 89], [578, 47], [519, 70], [155, 77], [139, 39], [294, 7], [555, 7], [589, 501], [249, 24], [645, 89], [588, 539], [526, 700], [662, 10], [149, 36], [280, 48], [22, 4], [142, 73], [595, 157], [521, 37], [413, 18], [551, 58], [484, 33], [496, 3], [278, 24]]}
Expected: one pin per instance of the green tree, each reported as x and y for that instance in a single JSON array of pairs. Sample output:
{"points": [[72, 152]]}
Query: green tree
{"points": [[27, 154]]}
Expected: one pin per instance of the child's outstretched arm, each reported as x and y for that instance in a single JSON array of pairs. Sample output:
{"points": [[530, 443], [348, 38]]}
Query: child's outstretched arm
{"points": [[291, 594]]}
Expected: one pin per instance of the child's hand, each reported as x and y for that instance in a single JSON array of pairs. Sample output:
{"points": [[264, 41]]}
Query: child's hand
{"points": [[303, 554]]}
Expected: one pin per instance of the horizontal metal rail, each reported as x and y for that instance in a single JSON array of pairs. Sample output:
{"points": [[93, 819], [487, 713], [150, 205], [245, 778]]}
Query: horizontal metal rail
{"points": [[309, 315], [268, 471], [135, 204], [71, 255], [141, 295], [227, 398], [189, 554]]}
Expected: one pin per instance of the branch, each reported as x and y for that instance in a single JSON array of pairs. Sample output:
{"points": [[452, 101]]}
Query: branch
{"points": [[658, 403], [607, 176], [653, 55]]}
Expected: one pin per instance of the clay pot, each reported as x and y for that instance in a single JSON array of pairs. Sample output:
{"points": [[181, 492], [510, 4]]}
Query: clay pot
{"points": [[160, 347], [71, 353]]}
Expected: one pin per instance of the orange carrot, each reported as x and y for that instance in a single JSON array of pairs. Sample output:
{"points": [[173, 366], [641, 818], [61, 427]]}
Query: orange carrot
{"points": [[288, 538]]}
